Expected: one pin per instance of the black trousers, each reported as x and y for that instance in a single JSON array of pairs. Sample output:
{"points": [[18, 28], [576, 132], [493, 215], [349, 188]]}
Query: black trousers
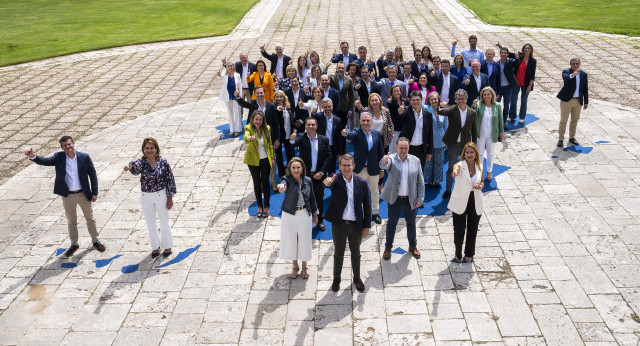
{"points": [[468, 221], [260, 177], [418, 151], [280, 162], [318, 191], [341, 232]]}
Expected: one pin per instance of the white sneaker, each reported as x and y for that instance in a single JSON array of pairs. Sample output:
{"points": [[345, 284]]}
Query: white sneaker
{"points": [[521, 121], [509, 120]]}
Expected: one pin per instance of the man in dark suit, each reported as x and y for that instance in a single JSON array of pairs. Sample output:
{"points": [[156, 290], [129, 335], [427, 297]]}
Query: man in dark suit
{"points": [[418, 65], [366, 86], [245, 68], [491, 69], [279, 61], [437, 70], [385, 60], [331, 93], [349, 212], [368, 150], [269, 110], [474, 82], [574, 96], [295, 94], [446, 83], [418, 128], [344, 85], [345, 56], [462, 129], [77, 182], [507, 82], [316, 154], [330, 126], [362, 61]]}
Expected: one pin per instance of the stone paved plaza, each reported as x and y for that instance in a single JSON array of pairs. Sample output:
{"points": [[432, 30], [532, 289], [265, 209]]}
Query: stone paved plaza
{"points": [[558, 247]]}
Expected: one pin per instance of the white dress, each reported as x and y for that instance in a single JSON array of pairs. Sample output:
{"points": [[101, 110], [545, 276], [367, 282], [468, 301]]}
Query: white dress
{"points": [[295, 234]]}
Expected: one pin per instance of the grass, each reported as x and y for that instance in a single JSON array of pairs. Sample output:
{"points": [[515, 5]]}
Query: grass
{"points": [[37, 29], [616, 17]]}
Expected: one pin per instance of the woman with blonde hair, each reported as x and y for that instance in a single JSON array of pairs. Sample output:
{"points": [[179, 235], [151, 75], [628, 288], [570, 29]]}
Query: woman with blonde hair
{"points": [[490, 126], [232, 88], [458, 69], [259, 158], [466, 202], [286, 118]]}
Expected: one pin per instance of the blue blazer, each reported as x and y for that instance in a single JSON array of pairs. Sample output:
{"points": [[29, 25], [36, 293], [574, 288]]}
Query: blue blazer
{"points": [[334, 95], [472, 88], [86, 171], [336, 131], [340, 57], [569, 87], [339, 199], [372, 66], [494, 77], [361, 153]]}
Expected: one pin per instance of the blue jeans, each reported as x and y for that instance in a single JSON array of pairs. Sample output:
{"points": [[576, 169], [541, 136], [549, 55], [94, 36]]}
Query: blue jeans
{"points": [[401, 205], [506, 96], [514, 102]]}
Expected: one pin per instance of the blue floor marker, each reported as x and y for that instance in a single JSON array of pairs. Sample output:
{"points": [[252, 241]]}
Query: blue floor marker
{"points": [[181, 256], [399, 251], [68, 265], [602, 142], [578, 149], [528, 119], [224, 131], [105, 262], [60, 252], [129, 269]]}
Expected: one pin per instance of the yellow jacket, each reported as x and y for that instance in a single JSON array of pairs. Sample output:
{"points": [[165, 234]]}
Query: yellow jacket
{"points": [[251, 156]]}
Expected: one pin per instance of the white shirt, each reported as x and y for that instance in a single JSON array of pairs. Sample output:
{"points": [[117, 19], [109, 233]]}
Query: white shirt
{"points": [[349, 212], [329, 128], [478, 82], [377, 124], [263, 109], [280, 68], [485, 130], [577, 92], [261, 151], [474, 181], [404, 180], [424, 93], [368, 84], [71, 177], [245, 72], [417, 132], [314, 153], [444, 95], [296, 95], [463, 120], [287, 122]]}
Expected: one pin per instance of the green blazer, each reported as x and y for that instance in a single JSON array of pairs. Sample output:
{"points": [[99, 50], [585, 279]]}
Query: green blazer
{"points": [[251, 156], [496, 119]]}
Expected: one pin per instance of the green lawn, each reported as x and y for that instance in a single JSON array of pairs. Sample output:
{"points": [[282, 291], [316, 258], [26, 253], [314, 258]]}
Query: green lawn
{"points": [[37, 29], [613, 16]]}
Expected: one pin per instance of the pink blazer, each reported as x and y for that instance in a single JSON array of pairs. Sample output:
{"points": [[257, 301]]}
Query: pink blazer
{"points": [[415, 86]]}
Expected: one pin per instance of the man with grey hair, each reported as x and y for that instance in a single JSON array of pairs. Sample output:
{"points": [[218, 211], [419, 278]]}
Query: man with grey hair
{"points": [[574, 96], [385, 60], [330, 126], [474, 82], [462, 129], [279, 61]]}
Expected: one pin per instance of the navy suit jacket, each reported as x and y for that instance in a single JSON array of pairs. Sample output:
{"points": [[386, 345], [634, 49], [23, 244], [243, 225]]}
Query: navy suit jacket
{"points": [[409, 127], [569, 87], [364, 157], [453, 86], [339, 199], [86, 173], [363, 93], [509, 73], [299, 113], [340, 57], [415, 69], [382, 63], [252, 69], [336, 132], [494, 77], [472, 88], [273, 58], [325, 157], [334, 95], [372, 66]]}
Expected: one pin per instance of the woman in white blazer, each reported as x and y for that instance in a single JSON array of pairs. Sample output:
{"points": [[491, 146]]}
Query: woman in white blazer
{"points": [[232, 88], [466, 202]]}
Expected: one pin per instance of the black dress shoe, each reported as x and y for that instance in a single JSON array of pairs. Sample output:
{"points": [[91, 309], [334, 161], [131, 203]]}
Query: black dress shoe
{"points": [[560, 144], [446, 194], [377, 219], [335, 286], [167, 254], [573, 141], [321, 227], [98, 245], [71, 250], [359, 284]]}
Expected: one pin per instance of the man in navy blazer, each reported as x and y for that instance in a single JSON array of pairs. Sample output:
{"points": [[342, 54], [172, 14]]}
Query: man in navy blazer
{"points": [[345, 56], [368, 150], [331, 93], [448, 81], [314, 148], [295, 94], [366, 86], [491, 69], [363, 61], [77, 182], [507, 82], [349, 212], [573, 96], [422, 145], [474, 82], [334, 134], [279, 61]]}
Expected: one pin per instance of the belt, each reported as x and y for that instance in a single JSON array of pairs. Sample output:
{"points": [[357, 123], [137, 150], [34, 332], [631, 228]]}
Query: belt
{"points": [[349, 222], [76, 191], [575, 98], [245, 88], [299, 208], [403, 197]]}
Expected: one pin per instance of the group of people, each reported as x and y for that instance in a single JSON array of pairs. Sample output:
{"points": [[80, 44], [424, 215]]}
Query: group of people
{"points": [[398, 115]]}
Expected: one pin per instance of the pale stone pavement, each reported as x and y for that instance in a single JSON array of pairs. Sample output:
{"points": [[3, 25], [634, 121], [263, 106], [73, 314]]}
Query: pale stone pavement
{"points": [[558, 246]]}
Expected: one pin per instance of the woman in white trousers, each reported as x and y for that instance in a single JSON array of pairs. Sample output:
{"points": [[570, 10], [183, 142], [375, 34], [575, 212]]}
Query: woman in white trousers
{"points": [[231, 88]]}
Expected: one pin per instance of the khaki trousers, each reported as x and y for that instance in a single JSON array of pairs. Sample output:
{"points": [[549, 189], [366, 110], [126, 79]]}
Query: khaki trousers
{"points": [[70, 204], [573, 108], [373, 188]]}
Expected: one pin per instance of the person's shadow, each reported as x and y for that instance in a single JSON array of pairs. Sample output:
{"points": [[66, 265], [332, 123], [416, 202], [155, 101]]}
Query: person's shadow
{"points": [[456, 277], [271, 302]]}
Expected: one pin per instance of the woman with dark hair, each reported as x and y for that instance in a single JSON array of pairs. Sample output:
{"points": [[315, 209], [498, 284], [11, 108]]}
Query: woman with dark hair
{"points": [[424, 87], [525, 69], [259, 158], [158, 187], [314, 79], [396, 107], [262, 78], [299, 216], [314, 104], [466, 202], [314, 59], [302, 71]]}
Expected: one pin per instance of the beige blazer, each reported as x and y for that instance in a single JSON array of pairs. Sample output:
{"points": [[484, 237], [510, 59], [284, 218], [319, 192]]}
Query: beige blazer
{"points": [[461, 189]]}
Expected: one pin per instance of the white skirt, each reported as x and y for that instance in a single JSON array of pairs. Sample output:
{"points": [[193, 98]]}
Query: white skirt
{"points": [[295, 236]]}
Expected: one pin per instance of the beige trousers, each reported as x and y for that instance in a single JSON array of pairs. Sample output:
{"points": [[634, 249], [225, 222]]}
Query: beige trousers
{"points": [[70, 204], [573, 108], [373, 188]]}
